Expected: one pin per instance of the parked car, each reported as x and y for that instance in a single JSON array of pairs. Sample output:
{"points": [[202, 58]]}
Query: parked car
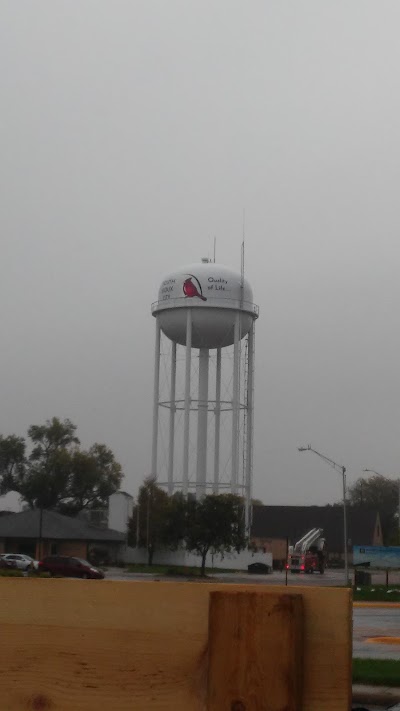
{"points": [[7, 563], [20, 561], [258, 568], [69, 567]]}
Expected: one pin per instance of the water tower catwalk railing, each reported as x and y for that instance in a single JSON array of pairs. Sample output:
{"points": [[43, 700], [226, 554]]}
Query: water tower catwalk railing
{"points": [[220, 302]]}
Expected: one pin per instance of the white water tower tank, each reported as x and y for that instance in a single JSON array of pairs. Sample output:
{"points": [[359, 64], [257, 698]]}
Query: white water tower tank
{"points": [[216, 294]]}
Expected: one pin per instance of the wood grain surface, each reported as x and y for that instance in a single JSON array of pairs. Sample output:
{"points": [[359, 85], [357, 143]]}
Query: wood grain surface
{"points": [[255, 652], [72, 645]]}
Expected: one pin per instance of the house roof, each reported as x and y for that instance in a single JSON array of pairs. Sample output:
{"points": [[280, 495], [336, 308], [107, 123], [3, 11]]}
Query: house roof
{"points": [[125, 493], [293, 522], [55, 526]]}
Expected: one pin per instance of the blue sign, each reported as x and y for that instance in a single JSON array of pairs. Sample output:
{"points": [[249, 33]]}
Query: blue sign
{"points": [[383, 557]]}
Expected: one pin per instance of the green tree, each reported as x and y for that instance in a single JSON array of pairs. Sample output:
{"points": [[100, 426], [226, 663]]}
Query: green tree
{"points": [[52, 437], [44, 483], [149, 526], [93, 477], [12, 462], [177, 520], [215, 523], [58, 474], [381, 494]]}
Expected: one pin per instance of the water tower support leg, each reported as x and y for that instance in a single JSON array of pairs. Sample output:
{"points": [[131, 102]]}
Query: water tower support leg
{"points": [[217, 421], [235, 407], [249, 440], [172, 422], [202, 417], [186, 431], [155, 400]]}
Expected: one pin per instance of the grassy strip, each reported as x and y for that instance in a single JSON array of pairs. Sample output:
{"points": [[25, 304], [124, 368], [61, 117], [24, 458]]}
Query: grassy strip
{"points": [[162, 569], [15, 573], [377, 593], [378, 672], [183, 570], [37, 574], [10, 573]]}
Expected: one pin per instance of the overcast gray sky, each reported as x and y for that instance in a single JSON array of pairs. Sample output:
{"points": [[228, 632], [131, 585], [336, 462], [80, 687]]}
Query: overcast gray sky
{"points": [[131, 133]]}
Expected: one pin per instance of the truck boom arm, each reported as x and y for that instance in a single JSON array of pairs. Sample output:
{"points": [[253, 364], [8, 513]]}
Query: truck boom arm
{"points": [[308, 540]]}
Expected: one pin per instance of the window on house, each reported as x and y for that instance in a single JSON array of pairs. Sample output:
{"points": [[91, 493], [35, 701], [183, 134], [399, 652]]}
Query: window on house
{"points": [[54, 549]]}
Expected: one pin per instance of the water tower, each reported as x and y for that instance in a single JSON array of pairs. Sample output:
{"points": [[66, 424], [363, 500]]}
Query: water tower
{"points": [[204, 382]]}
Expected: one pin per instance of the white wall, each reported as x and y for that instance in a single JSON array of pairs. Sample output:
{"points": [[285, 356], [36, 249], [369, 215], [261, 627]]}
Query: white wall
{"points": [[120, 507], [233, 561], [11, 502]]}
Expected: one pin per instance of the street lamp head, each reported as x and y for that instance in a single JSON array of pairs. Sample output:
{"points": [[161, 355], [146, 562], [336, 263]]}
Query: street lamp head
{"points": [[304, 449]]}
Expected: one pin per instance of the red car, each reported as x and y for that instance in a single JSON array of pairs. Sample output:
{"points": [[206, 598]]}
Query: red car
{"points": [[69, 567]]}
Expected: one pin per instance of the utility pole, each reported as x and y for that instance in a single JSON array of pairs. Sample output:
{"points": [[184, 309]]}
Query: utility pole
{"points": [[342, 470], [40, 532], [148, 519], [137, 521]]}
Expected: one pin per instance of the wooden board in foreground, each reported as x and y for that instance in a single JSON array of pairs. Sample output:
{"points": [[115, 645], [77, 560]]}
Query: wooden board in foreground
{"points": [[136, 646], [255, 652]]}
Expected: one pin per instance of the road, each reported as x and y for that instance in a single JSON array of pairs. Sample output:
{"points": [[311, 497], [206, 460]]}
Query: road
{"points": [[368, 622], [330, 578], [373, 622]]}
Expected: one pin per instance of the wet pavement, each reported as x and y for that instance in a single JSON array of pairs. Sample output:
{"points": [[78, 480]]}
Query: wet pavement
{"points": [[368, 622], [376, 622], [331, 577]]}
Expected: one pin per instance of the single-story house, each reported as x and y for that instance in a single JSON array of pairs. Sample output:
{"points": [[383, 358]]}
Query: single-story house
{"points": [[273, 525], [39, 533]]}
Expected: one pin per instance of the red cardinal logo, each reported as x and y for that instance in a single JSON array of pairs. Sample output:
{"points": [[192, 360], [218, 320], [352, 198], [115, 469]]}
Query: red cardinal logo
{"points": [[190, 289]]}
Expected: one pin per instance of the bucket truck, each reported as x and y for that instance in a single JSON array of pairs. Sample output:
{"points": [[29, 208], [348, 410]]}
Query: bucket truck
{"points": [[308, 554]]}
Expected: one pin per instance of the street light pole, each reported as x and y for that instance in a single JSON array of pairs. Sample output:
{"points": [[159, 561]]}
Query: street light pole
{"points": [[342, 470]]}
